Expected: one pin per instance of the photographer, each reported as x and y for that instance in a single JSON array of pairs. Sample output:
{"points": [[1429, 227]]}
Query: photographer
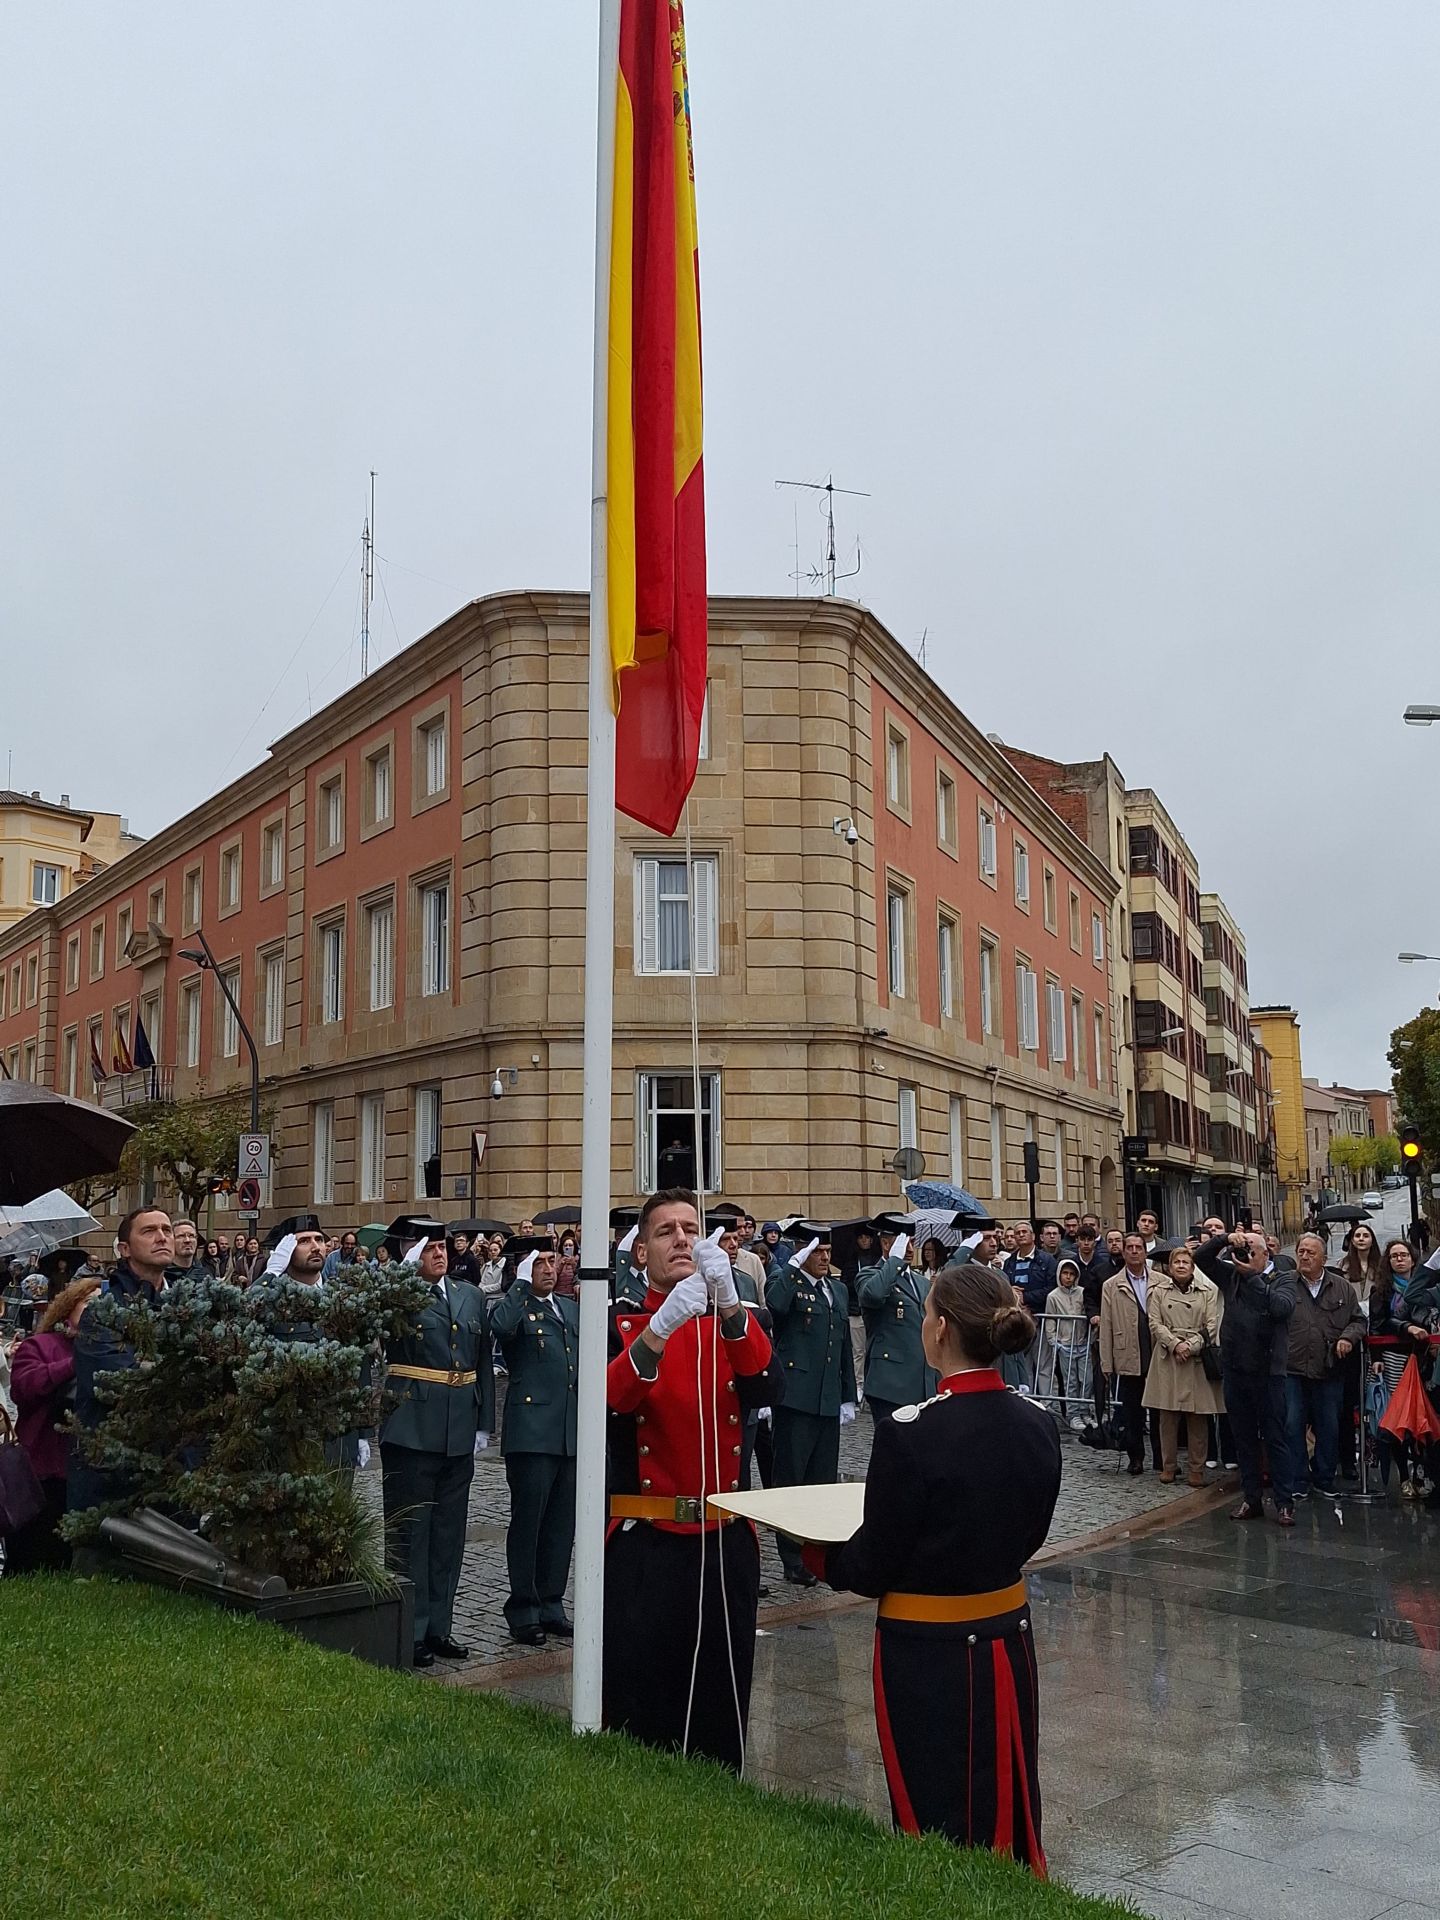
{"points": [[1254, 1359]]}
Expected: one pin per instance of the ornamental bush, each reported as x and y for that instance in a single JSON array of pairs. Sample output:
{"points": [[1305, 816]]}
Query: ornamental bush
{"points": [[234, 1417]]}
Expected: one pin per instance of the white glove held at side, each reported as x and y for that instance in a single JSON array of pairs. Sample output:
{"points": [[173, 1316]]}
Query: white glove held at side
{"points": [[847, 1412], [686, 1300], [363, 1456], [482, 1442]]}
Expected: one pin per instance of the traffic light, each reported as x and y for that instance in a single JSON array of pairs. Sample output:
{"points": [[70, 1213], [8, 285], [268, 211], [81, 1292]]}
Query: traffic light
{"points": [[1409, 1144]]}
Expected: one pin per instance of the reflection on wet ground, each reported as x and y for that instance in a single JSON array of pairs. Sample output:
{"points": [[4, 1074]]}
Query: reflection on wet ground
{"points": [[1235, 1720]]}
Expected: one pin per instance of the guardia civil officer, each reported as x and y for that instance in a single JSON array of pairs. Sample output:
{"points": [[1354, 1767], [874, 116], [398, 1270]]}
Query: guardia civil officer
{"points": [[681, 1585], [892, 1304], [297, 1257], [539, 1334], [443, 1374], [627, 1287], [959, 1495], [810, 1309]]}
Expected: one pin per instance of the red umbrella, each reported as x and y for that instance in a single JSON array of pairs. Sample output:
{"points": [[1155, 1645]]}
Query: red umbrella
{"points": [[1410, 1411]]}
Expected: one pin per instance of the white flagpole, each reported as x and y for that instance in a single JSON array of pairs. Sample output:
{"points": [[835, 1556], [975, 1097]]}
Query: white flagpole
{"points": [[590, 1515]]}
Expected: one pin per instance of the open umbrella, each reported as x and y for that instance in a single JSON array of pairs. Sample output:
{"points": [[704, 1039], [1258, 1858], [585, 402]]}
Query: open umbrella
{"points": [[43, 1224], [472, 1227], [1346, 1211], [558, 1217], [925, 1194], [46, 1139], [370, 1236]]}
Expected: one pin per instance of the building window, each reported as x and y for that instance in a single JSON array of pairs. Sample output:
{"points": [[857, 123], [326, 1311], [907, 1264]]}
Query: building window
{"points": [[97, 949], [229, 1025], [897, 903], [152, 1019], [987, 844], [97, 1054], [190, 1023], [380, 788], [191, 895], [332, 973], [72, 965], [957, 1140], [433, 742], [230, 877], [323, 1129], [1022, 875], [1059, 1139], [330, 809], [275, 997], [32, 979], [663, 917], [427, 1142], [69, 1061], [272, 857], [1101, 1075], [3, 1001], [665, 1130], [124, 929], [435, 938], [1050, 900], [155, 907], [997, 1152], [946, 812], [380, 919], [45, 885], [1077, 1034], [372, 1146], [945, 954], [1027, 1007], [1055, 1018], [897, 770], [989, 961], [15, 988], [909, 1115], [1097, 939], [703, 750], [27, 1066], [1074, 920]]}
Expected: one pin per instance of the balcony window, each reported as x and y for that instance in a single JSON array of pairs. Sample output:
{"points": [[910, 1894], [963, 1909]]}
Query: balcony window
{"points": [[663, 917]]}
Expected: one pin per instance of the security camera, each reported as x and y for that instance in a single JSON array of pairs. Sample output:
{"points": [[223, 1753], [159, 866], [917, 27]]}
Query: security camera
{"points": [[852, 835], [497, 1088]]}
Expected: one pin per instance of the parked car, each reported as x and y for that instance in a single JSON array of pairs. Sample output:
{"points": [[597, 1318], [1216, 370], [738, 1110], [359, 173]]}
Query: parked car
{"points": [[1372, 1199], [1392, 1183]]}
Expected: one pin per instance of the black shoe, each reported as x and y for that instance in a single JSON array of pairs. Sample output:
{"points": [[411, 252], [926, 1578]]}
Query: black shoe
{"points": [[528, 1636], [562, 1628], [764, 1593], [1248, 1511], [1136, 1466], [802, 1577], [423, 1656], [446, 1647], [1284, 1516]]}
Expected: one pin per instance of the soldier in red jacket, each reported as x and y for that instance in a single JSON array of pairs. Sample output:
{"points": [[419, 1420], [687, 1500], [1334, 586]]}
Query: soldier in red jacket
{"points": [[687, 1367]]}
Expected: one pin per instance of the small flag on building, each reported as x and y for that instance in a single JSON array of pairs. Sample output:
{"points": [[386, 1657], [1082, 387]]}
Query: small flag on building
{"points": [[97, 1065], [655, 523], [119, 1052], [142, 1056]]}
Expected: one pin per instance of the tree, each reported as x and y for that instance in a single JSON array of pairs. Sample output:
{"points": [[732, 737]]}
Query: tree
{"points": [[1387, 1154], [192, 1143], [1354, 1153], [230, 1410], [1415, 1057]]}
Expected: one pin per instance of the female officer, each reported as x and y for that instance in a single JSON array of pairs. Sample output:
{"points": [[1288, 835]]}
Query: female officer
{"points": [[959, 1496]]}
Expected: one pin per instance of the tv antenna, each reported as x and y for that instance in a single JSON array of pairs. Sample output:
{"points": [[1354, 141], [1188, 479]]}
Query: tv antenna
{"points": [[367, 579], [827, 572], [924, 641]]}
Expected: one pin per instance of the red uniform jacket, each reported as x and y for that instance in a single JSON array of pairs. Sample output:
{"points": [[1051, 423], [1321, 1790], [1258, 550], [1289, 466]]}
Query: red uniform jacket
{"points": [[668, 1410]]}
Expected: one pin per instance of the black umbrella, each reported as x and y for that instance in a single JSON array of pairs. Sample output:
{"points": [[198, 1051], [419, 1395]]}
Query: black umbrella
{"points": [[46, 1140], [723, 1210], [558, 1217], [472, 1227], [1346, 1211]]}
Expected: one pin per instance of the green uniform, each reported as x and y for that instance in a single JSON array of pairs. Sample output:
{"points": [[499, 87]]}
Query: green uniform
{"points": [[817, 1362], [892, 1303], [341, 1450], [628, 1288], [427, 1448], [540, 1338]]}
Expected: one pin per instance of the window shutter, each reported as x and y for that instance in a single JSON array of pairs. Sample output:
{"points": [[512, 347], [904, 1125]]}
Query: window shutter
{"points": [[649, 916], [705, 942]]}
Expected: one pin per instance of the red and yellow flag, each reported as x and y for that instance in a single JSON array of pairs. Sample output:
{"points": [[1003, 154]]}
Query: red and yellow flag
{"points": [[119, 1049], [656, 481]]}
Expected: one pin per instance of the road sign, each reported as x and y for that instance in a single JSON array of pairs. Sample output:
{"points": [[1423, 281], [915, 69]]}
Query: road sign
{"points": [[255, 1156], [249, 1196]]}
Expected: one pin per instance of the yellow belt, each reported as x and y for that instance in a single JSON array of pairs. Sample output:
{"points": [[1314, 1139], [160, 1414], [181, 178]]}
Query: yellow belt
{"points": [[437, 1376], [682, 1508], [947, 1608]]}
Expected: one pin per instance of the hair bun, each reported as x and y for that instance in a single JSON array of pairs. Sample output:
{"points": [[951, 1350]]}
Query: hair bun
{"points": [[1011, 1329]]}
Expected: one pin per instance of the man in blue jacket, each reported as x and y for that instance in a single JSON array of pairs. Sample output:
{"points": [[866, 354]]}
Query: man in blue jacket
{"points": [[1030, 1268]]}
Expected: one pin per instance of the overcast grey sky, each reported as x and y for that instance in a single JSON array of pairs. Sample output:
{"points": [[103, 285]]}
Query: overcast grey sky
{"points": [[1125, 314]]}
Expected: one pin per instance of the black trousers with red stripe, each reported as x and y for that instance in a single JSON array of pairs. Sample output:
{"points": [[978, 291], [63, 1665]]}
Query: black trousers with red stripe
{"points": [[958, 1713]]}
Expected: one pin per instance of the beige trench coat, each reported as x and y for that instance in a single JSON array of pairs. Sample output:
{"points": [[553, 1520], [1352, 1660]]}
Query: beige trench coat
{"points": [[1182, 1314]]}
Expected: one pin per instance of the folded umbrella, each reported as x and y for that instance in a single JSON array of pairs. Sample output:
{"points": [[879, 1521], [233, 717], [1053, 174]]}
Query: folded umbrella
{"points": [[47, 1139], [1410, 1412]]}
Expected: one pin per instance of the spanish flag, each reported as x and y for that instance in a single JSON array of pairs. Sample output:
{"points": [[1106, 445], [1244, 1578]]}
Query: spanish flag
{"points": [[656, 484], [119, 1049]]}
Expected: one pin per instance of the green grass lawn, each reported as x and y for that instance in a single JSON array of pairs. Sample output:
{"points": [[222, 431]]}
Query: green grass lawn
{"points": [[159, 1757]]}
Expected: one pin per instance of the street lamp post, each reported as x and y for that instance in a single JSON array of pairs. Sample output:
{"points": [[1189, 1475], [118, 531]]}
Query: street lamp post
{"points": [[207, 963]]}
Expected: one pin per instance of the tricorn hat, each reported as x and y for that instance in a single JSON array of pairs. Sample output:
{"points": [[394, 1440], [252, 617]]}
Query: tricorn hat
{"points": [[297, 1223]]}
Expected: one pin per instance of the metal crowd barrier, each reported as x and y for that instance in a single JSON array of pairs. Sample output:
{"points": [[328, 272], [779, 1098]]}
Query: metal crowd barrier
{"points": [[1061, 1364], [1376, 1343]]}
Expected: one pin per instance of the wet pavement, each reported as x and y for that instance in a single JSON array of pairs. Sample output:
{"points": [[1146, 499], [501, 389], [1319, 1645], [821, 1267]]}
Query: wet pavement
{"points": [[1236, 1721]]}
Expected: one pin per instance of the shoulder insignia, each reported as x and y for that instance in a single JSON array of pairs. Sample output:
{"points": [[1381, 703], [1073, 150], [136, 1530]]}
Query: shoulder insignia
{"points": [[907, 1414]]}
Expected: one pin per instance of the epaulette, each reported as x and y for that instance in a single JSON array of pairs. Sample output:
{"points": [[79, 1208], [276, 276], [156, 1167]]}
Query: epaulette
{"points": [[907, 1414]]}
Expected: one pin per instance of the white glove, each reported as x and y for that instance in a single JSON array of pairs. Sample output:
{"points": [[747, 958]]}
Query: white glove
{"points": [[900, 1246], [847, 1412], [363, 1456], [686, 1300], [629, 1240], [762, 1413], [482, 1444], [719, 1274]]}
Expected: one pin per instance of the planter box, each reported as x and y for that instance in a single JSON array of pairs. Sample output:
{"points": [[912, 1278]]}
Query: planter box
{"points": [[346, 1618]]}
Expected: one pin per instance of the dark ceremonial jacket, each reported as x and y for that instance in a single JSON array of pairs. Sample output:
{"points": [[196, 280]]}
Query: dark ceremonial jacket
{"points": [[452, 1335], [812, 1340], [892, 1304], [959, 1493], [541, 1344]]}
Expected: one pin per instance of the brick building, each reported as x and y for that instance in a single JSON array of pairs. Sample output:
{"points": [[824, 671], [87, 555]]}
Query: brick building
{"points": [[897, 940]]}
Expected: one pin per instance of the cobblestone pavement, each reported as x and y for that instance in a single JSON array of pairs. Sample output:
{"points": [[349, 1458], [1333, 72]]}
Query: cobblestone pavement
{"points": [[1095, 1493]]}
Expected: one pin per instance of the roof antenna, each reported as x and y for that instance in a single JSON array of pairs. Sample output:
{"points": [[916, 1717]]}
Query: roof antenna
{"points": [[367, 579], [920, 654], [826, 572]]}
